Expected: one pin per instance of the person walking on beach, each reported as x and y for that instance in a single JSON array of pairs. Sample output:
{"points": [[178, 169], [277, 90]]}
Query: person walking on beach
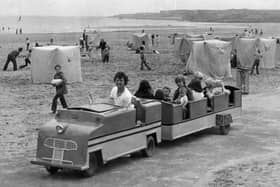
{"points": [[157, 40], [27, 59], [106, 54], [153, 39], [143, 59], [12, 58], [27, 41], [102, 46], [256, 63], [61, 89]]}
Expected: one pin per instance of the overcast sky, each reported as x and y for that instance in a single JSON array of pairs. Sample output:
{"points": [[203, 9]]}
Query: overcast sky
{"points": [[112, 7]]}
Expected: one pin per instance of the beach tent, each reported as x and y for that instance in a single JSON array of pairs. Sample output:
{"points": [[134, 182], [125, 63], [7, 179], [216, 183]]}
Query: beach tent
{"points": [[246, 48], [195, 36], [183, 46], [138, 38], [232, 39], [211, 57], [45, 58]]}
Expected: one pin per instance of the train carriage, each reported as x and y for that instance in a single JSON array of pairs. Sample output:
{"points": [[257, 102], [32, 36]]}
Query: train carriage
{"points": [[83, 138], [202, 114]]}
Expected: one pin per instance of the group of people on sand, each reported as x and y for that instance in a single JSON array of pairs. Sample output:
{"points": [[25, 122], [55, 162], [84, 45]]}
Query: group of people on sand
{"points": [[250, 32], [13, 55]]}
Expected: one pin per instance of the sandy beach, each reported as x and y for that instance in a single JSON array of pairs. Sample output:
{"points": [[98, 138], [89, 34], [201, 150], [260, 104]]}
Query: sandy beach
{"points": [[26, 106]]}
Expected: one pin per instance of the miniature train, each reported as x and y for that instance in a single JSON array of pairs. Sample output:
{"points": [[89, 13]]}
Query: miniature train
{"points": [[84, 138]]}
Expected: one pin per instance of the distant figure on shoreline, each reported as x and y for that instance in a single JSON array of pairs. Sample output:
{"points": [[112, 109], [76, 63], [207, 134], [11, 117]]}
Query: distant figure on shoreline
{"points": [[12, 57], [20, 30], [16, 31], [37, 44], [51, 41], [157, 40], [153, 39]]}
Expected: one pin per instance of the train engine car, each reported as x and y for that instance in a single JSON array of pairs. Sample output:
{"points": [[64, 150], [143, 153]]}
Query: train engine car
{"points": [[84, 138]]}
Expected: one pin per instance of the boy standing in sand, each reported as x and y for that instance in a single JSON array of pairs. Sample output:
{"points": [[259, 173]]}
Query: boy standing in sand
{"points": [[61, 89], [256, 64], [12, 57]]}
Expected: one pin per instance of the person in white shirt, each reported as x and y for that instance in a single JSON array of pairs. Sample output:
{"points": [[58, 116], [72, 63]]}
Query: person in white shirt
{"points": [[183, 98], [120, 95]]}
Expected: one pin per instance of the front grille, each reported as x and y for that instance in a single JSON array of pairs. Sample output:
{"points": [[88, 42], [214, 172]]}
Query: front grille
{"points": [[59, 147], [66, 145]]}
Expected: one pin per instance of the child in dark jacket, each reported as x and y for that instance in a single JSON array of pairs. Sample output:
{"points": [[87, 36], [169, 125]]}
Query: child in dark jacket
{"points": [[60, 87], [27, 59]]}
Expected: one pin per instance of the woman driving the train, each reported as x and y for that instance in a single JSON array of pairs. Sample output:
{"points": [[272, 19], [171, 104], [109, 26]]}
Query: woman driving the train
{"points": [[120, 95]]}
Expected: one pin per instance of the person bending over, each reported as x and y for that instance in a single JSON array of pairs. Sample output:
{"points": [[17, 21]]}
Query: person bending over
{"points": [[12, 58]]}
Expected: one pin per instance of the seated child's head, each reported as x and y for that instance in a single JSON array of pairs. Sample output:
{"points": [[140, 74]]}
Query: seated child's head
{"points": [[210, 83], [198, 75], [166, 91], [180, 81], [182, 91], [159, 94]]}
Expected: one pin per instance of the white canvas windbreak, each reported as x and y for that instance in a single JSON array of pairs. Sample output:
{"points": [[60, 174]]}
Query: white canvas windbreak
{"points": [[45, 58], [246, 49], [210, 57], [138, 38], [183, 47]]}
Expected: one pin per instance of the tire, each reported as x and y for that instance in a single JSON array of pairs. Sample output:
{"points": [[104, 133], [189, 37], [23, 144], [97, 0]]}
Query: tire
{"points": [[51, 170], [150, 149], [224, 130], [93, 166]]}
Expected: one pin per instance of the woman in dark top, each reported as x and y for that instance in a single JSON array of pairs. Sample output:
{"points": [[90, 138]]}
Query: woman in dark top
{"points": [[144, 90]]}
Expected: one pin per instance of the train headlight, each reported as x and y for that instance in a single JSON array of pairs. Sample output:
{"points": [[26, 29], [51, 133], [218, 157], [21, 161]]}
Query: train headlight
{"points": [[60, 129]]}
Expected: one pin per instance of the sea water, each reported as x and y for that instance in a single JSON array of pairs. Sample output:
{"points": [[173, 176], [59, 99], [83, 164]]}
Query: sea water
{"points": [[52, 24]]}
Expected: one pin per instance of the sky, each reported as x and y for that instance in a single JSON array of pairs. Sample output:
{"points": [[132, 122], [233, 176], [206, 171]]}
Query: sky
{"points": [[113, 7]]}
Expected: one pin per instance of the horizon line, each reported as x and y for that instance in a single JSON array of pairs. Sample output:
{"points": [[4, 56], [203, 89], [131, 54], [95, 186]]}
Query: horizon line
{"points": [[34, 15]]}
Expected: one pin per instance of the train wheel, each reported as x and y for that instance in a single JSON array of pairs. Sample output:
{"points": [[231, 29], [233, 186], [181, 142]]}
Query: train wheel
{"points": [[150, 149], [93, 166], [51, 170], [224, 129]]}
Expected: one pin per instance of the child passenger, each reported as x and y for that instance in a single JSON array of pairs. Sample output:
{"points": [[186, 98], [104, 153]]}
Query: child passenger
{"points": [[166, 93], [180, 81], [182, 99]]}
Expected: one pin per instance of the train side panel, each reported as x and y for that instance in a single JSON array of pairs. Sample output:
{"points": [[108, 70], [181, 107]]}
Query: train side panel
{"points": [[172, 132], [124, 143]]}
